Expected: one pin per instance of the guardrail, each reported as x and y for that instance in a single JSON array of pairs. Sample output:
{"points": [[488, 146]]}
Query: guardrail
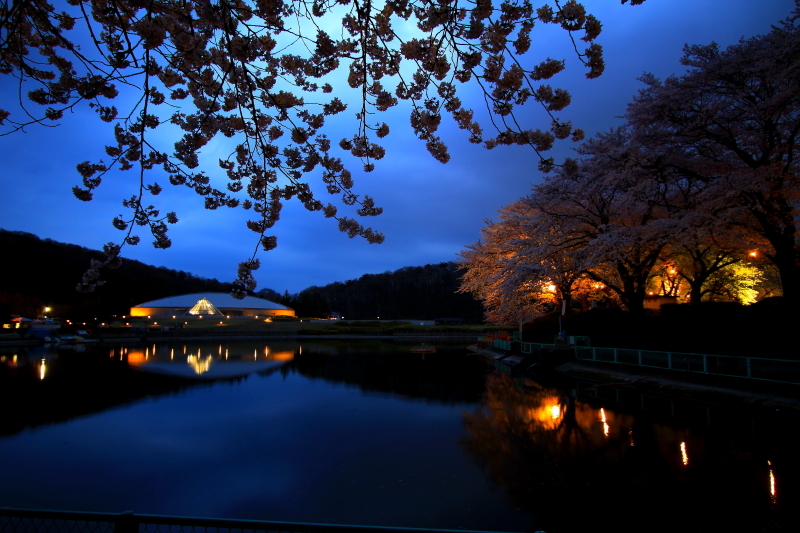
{"points": [[778, 370], [36, 521], [502, 344]]}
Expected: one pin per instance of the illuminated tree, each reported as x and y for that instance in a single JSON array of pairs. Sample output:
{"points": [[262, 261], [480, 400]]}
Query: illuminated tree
{"points": [[736, 117], [599, 223], [615, 219], [268, 74], [492, 271]]}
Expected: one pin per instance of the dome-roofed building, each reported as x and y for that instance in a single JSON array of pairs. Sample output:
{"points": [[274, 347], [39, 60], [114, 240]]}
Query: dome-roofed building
{"points": [[210, 304]]}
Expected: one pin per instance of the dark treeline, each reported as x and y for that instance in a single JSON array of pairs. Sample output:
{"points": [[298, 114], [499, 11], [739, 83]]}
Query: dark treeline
{"points": [[45, 272], [425, 292]]}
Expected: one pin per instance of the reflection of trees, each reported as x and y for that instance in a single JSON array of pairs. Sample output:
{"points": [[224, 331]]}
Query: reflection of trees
{"points": [[448, 376], [559, 460]]}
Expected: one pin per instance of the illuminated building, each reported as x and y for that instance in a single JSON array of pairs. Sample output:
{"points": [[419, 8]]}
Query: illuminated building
{"points": [[210, 304]]}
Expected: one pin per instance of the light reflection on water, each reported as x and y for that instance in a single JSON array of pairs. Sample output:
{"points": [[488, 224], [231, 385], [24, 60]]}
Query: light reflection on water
{"points": [[206, 361], [566, 461], [368, 433]]}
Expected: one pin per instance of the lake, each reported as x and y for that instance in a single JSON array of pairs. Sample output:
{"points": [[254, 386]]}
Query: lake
{"points": [[367, 432]]}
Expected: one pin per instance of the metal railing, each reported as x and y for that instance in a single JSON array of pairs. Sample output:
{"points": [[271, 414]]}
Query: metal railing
{"points": [[502, 344], [36, 521], [778, 370], [531, 347]]}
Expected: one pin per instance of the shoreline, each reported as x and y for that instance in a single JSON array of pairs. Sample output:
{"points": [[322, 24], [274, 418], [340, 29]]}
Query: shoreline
{"points": [[715, 389]]}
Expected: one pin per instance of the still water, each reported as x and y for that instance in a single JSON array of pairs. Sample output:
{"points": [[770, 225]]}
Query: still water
{"points": [[366, 432]]}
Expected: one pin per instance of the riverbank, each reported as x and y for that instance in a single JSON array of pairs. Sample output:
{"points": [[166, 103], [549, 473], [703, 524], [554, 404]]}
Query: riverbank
{"points": [[713, 389]]}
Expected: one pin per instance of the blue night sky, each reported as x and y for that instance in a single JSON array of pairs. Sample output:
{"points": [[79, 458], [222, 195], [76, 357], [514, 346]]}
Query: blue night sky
{"points": [[431, 211]]}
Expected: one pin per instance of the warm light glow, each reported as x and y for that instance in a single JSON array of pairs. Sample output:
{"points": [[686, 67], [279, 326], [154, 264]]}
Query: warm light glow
{"points": [[136, 357], [630, 436], [551, 288], [549, 415], [771, 481], [673, 271], [285, 355], [605, 422], [754, 253], [199, 364], [42, 369], [46, 309], [684, 455]]}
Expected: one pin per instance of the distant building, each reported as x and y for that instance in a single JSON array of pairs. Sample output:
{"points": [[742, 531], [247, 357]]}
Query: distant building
{"points": [[210, 304]]}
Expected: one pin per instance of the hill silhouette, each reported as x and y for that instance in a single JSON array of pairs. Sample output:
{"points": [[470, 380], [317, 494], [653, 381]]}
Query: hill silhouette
{"points": [[45, 272]]}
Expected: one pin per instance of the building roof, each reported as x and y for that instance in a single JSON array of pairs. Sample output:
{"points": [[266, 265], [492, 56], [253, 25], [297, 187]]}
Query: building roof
{"points": [[220, 300]]}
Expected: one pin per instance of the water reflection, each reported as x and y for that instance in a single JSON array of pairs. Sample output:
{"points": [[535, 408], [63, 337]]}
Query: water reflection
{"points": [[566, 461], [203, 360], [771, 481], [46, 384], [561, 458]]}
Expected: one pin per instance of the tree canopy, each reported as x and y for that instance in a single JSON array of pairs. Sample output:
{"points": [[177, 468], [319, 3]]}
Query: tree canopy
{"points": [[269, 74], [696, 195]]}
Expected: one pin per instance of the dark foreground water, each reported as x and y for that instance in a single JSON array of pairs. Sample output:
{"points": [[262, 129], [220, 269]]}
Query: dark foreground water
{"points": [[366, 432]]}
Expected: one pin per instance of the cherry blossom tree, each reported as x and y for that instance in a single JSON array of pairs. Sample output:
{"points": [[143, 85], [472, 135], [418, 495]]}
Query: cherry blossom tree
{"points": [[268, 74], [615, 219], [492, 272], [736, 116]]}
